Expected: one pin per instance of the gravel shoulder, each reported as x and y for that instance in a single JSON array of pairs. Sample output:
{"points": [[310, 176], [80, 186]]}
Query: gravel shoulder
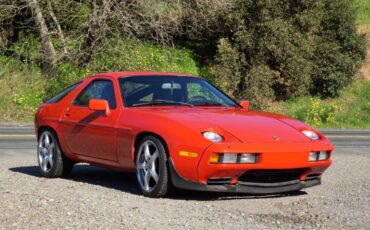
{"points": [[94, 198]]}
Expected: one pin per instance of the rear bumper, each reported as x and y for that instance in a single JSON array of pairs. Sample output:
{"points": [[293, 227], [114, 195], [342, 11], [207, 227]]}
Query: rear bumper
{"points": [[241, 187]]}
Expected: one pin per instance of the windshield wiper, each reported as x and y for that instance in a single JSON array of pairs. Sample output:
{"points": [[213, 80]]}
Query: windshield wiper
{"points": [[161, 102], [211, 104]]}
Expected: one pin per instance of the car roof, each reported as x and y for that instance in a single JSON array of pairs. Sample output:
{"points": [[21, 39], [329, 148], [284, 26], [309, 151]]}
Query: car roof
{"points": [[140, 73]]}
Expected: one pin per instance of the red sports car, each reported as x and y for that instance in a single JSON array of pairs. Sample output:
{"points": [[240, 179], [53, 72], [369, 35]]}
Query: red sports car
{"points": [[176, 131]]}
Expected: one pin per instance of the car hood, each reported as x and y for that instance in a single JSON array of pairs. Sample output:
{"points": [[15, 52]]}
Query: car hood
{"points": [[246, 126]]}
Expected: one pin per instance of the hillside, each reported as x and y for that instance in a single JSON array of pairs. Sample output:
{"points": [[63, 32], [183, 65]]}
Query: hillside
{"points": [[277, 57]]}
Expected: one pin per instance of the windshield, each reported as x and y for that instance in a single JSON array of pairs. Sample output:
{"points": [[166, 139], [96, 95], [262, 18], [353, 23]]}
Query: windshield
{"points": [[171, 91]]}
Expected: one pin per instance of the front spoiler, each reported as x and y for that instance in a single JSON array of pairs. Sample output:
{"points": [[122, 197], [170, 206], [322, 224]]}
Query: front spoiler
{"points": [[240, 187]]}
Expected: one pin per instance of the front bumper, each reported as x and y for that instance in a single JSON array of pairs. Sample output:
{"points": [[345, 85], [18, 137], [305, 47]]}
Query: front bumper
{"points": [[241, 187], [288, 162], [271, 156]]}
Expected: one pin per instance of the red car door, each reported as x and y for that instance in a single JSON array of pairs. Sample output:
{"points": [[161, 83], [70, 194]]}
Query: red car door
{"points": [[92, 133]]}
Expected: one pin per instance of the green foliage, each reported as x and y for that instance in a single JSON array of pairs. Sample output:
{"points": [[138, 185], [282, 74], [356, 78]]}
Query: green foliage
{"points": [[125, 55], [363, 12], [67, 74], [351, 109], [228, 71], [262, 50], [73, 13], [314, 111], [29, 101], [27, 49], [289, 48], [128, 55], [339, 51], [21, 89]]}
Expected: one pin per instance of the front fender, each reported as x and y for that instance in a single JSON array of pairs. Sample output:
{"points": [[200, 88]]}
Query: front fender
{"points": [[178, 137]]}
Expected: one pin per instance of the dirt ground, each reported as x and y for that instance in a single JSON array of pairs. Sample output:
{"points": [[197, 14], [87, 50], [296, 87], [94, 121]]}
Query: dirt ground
{"points": [[94, 198], [365, 70]]}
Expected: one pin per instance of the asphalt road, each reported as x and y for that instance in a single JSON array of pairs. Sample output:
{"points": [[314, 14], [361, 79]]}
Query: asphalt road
{"points": [[23, 137]]}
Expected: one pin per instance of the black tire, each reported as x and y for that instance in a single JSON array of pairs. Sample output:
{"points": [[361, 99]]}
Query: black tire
{"points": [[163, 186], [61, 166]]}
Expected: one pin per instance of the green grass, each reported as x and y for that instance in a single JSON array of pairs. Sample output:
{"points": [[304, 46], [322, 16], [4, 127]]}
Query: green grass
{"points": [[363, 12], [350, 110], [128, 54], [22, 88]]}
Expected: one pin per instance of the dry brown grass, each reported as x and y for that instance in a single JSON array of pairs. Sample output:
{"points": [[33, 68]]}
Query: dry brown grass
{"points": [[365, 70]]}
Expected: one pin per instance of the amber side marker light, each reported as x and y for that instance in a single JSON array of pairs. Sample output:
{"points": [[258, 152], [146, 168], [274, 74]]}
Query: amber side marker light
{"points": [[188, 154]]}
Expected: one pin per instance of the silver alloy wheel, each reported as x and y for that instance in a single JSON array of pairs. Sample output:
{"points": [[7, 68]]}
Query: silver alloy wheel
{"points": [[46, 151], [147, 166]]}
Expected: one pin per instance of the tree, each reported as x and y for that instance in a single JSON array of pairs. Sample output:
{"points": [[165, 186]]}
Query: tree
{"points": [[48, 51]]}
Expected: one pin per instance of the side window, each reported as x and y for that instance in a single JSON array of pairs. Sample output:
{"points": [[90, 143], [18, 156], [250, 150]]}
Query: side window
{"points": [[135, 92], [63, 94], [197, 91], [99, 89]]}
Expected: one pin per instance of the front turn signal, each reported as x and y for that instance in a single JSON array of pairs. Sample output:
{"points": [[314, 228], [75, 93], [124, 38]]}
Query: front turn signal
{"points": [[214, 158]]}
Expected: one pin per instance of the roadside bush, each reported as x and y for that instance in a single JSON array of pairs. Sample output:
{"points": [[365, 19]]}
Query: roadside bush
{"points": [[296, 47], [315, 111], [339, 51], [228, 72]]}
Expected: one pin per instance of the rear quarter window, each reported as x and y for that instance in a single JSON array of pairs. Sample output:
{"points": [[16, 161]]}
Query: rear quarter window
{"points": [[63, 94]]}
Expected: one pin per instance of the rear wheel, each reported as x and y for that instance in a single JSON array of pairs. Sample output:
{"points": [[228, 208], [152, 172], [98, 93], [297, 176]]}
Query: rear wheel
{"points": [[51, 160], [151, 168]]}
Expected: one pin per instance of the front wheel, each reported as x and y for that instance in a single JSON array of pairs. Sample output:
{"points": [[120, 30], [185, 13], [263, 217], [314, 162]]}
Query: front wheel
{"points": [[151, 168], [51, 160]]}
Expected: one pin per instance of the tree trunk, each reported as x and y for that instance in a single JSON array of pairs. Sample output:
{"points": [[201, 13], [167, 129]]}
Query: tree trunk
{"points": [[59, 28], [48, 52]]}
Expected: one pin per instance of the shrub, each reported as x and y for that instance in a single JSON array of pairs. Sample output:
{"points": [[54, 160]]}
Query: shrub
{"points": [[228, 72], [320, 113], [295, 47], [339, 51]]}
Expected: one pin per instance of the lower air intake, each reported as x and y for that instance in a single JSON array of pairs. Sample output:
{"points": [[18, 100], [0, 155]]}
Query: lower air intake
{"points": [[271, 176]]}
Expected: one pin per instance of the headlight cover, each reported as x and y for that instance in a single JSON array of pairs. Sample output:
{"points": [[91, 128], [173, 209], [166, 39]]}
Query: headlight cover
{"points": [[311, 134], [212, 136]]}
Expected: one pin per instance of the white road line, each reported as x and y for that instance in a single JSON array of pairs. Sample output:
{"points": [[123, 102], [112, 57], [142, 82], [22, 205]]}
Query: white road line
{"points": [[3, 136], [347, 136]]}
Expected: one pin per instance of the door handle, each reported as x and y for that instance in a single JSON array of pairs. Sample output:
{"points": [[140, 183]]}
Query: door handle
{"points": [[68, 112]]}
